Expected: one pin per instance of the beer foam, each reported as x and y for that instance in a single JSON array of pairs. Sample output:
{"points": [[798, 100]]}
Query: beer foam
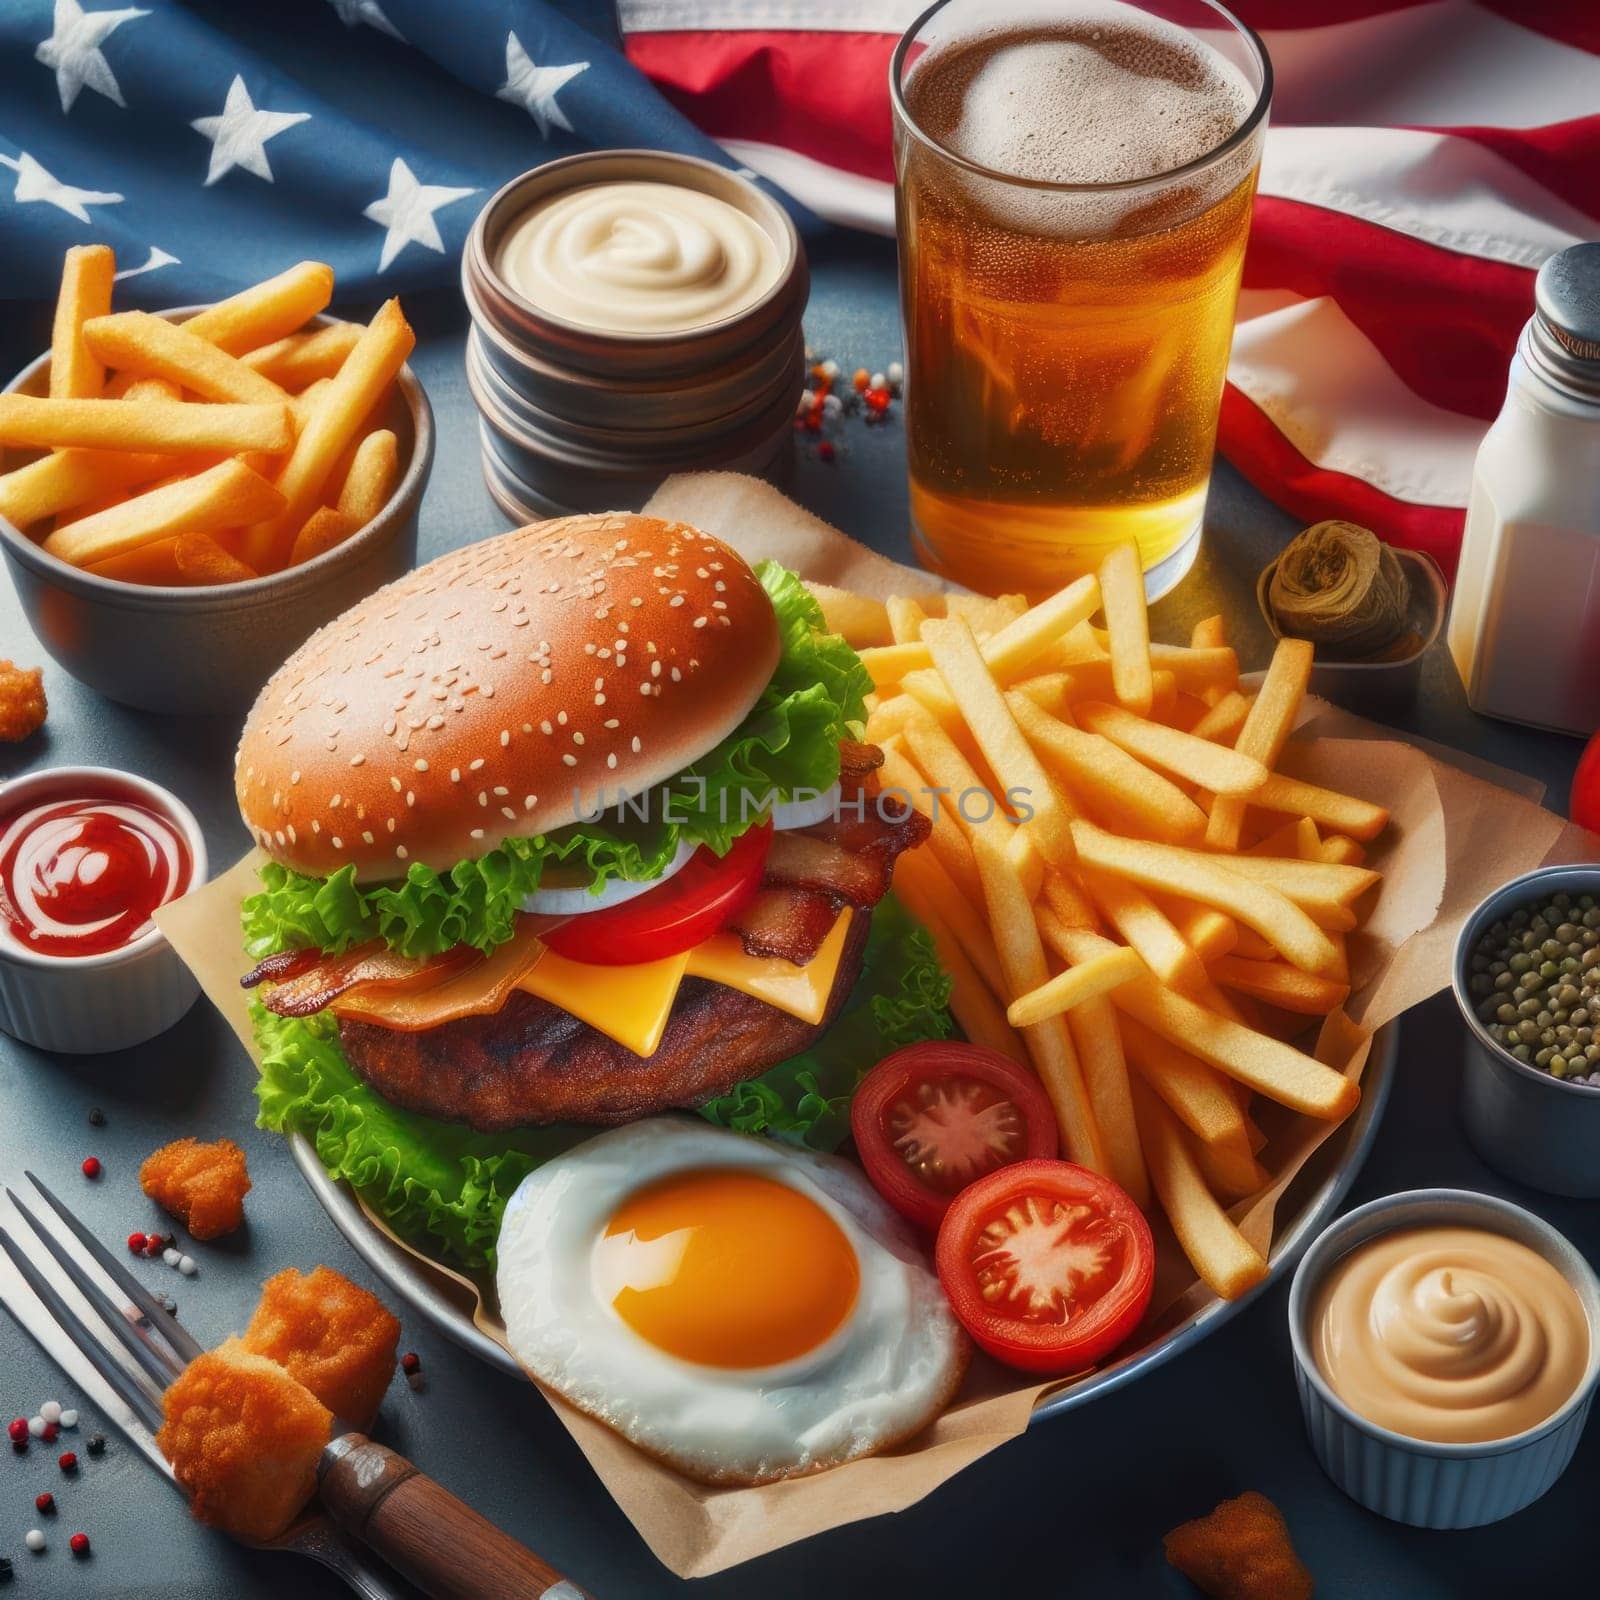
{"points": [[1090, 106]]}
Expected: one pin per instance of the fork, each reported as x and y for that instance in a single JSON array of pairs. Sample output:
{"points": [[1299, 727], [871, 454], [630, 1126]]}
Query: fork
{"points": [[371, 1498]]}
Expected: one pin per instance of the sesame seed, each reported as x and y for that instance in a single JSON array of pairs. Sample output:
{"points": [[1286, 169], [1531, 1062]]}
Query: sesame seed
{"points": [[294, 777], [529, 801], [546, 675], [411, 799], [570, 759], [611, 722], [611, 760], [455, 774], [477, 833], [505, 737], [336, 802], [366, 836], [338, 843], [508, 813], [637, 746], [501, 790], [401, 851], [420, 764], [473, 766], [676, 600], [546, 726], [577, 738], [644, 688], [394, 783], [357, 760]]}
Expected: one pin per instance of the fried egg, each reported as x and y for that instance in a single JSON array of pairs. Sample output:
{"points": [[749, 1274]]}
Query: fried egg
{"points": [[743, 1310]]}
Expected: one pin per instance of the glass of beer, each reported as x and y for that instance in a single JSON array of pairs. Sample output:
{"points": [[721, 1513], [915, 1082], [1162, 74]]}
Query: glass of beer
{"points": [[1074, 183]]}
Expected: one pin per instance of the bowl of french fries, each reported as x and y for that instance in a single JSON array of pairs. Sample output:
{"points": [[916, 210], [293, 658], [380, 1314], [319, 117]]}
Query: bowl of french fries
{"points": [[186, 495]]}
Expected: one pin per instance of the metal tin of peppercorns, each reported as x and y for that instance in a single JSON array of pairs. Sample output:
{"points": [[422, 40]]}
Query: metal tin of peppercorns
{"points": [[579, 418], [1536, 1120]]}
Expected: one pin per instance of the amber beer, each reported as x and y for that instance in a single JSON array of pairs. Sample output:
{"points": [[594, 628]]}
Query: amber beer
{"points": [[1074, 199]]}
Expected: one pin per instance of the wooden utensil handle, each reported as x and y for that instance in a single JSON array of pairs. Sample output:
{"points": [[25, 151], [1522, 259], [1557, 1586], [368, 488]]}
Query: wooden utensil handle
{"points": [[425, 1533]]}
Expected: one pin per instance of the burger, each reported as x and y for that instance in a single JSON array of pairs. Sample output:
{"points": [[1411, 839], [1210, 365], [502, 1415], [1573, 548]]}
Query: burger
{"points": [[568, 827]]}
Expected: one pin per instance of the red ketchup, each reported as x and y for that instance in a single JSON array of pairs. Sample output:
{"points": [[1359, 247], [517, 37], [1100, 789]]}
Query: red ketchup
{"points": [[81, 875]]}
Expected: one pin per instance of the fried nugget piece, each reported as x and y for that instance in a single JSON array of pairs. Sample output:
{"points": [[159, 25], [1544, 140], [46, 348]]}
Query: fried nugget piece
{"points": [[330, 1335], [22, 703], [244, 1439], [204, 1185], [1241, 1551]]}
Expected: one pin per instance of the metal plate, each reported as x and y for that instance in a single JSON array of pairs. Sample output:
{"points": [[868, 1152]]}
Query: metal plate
{"points": [[1305, 1210]]}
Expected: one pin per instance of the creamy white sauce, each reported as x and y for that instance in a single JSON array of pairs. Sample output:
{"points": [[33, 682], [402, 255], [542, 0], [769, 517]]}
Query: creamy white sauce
{"points": [[638, 258]]}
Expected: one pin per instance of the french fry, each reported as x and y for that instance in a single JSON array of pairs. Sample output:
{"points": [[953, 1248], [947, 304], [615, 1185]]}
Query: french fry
{"points": [[1067, 901], [927, 888], [1050, 691], [1346, 852], [947, 843], [299, 359], [1026, 862], [1104, 777], [153, 388], [374, 470], [1017, 645], [856, 618], [367, 372], [320, 532], [1095, 1036], [1226, 1262], [972, 1002], [1316, 885], [1342, 813], [153, 564], [201, 560], [1127, 628], [136, 341], [955, 654], [1267, 1065], [1147, 928], [1221, 724], [984, 614], [1280, 985], [1212, 766], [1259, 905], [1249, 944], [1096, 976], [1230, 1169], [1264, 733], [1338, 1040], [66, 479], [1163, 696], [952, 774], [1049, 1044], [307, 401], [1206, 931], [76, 373], [906, 617], [146, 425], [889, 663], [266, 311], [227, 495], [1297, 838], [1209, 633], [1200, 1097]]}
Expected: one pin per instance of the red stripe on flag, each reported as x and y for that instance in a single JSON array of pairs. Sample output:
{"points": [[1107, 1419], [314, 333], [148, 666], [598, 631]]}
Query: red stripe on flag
{"points": [[1279, 471], [824, 95], [1447, 323], [1563, 156]]}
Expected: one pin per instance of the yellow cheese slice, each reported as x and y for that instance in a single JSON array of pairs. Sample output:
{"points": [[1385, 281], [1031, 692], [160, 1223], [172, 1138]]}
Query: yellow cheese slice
{"points": [[632, 1004]]}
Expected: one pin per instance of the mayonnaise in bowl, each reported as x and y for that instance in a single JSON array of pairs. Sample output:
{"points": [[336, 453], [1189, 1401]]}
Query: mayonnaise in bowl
{"points": [[638, 257]]}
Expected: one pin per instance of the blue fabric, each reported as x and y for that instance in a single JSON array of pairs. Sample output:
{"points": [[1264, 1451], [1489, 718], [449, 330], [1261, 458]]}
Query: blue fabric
{"points": [[384, 124]]}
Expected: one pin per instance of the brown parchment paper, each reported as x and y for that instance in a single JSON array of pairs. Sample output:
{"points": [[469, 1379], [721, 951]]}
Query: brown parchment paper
{"points": [[1456, 835]]}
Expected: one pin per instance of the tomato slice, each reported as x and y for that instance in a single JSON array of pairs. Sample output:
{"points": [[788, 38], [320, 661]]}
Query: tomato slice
{"points": [[1047, 1265], [933, 1117], [687, 909], [1585, 807]]}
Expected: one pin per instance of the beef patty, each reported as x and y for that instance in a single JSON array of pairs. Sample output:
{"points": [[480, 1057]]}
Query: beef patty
{"points": [[531, 1062]]}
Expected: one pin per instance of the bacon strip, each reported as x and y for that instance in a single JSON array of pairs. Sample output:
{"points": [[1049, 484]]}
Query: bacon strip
{"points": [[311, 987], [787, 923]]}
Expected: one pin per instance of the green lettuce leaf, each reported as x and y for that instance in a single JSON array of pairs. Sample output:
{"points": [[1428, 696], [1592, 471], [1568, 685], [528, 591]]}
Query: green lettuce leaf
{"points": [[789, 743], [444, 1188]]}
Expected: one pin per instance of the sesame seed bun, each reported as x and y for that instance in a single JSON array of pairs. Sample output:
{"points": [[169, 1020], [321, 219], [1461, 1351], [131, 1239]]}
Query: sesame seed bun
{"points": [[487, 694]]}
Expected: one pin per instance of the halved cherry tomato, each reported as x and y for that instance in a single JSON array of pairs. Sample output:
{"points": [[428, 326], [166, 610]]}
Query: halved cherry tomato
{"points": [[1047, 1265], [1585, 808], [686, 910], [933, 1117]]}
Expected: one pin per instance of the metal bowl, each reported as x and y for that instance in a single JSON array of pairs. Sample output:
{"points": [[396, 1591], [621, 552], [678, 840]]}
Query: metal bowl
{"points": [[1533, 1127], [211, 647], [1303, 1212]]}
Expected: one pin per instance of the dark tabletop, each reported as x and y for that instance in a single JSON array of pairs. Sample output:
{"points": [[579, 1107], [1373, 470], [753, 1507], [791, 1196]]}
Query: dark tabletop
{"points": [[1077, 1506]]}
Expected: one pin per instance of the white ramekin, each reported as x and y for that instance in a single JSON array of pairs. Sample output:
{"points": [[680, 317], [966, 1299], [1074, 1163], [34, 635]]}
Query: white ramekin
{"points": [[81, 1005], [1412, 1480]]}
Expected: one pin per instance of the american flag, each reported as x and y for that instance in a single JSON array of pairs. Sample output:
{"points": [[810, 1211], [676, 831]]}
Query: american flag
{"points": [[1423, 159]]}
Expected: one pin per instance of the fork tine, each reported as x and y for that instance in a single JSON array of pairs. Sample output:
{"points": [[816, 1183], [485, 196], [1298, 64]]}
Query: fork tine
{"points": [[157, 1362], [183, 1343], [129, 1389]]}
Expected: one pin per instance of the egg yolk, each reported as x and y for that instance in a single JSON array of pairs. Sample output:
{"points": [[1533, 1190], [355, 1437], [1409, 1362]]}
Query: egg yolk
{"points": [[727, 1269]]}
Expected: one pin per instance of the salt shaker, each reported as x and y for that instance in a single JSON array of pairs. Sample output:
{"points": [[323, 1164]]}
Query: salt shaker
{"points": [[1525, 620]]}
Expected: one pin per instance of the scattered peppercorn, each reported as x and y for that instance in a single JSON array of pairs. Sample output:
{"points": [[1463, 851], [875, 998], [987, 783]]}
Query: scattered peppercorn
{"points": [[7, 1572], [97, 1118], [45, 1504], [825, 450], [50, 1432], [97, 1444], [410, 1362], [79, 1544], [18, 1430], [34, 1540], [69, 1461], [91, 1167], [138, 1243]]}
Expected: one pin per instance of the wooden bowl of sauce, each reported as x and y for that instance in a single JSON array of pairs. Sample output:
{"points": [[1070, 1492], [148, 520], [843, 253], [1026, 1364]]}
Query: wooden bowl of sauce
{"points": [[87, 856]]}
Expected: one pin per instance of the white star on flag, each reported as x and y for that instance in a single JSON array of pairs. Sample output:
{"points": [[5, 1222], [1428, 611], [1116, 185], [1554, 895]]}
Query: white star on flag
{"points": [[153, 262], [73, 50], [239, 136], [534, 88], [352, 13], [407, 212], [34, 183]]}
